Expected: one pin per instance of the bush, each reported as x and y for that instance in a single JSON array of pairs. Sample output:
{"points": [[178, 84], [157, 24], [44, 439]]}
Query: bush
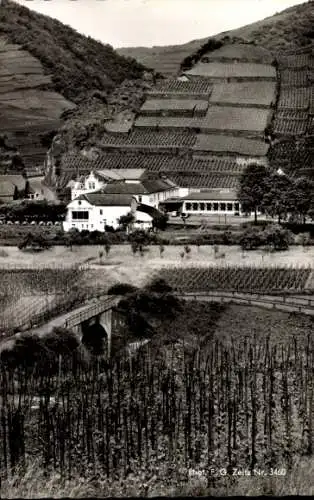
{"points": [[300, 228], [122, 289], [252, 238], [160, 221], [159, 285], [141, 237], [34, 242], [210, 45], [277, 237], [273, 236]]}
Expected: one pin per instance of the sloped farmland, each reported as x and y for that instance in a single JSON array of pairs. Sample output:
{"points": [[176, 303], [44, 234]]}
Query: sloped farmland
{"points": [[27, 102], [250, 71], [242, 120], [230, 145], [261, 94]]}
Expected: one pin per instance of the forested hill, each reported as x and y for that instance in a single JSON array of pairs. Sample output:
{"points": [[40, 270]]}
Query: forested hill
{"points": [[52, 77], [77, 63], [289, 29]]}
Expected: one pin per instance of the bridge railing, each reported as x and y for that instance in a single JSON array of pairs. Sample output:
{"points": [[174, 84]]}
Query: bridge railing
{"points": [[295, 303], [91, 310], [287, 299]]}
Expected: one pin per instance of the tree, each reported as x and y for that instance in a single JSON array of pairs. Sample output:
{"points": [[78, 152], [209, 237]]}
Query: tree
{"points": [[126, 220], [16, 193], [160, 221], [276, 200], [161, 250], [252, 188], [251, 239], [276, 237], [273, 236], [34, 242], [158, 285], [107, 248], [301, 196]]}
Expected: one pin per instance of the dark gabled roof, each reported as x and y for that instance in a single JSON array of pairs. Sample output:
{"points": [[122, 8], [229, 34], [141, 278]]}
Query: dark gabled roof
{"points": [[107, 200], [157, 185], [147, 209], [146, 186], [124, 188]]}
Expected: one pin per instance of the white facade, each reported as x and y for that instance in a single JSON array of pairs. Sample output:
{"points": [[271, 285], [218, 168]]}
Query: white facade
{"points": [[90, 184], [211, 207], [83, 215], [154, 199]]}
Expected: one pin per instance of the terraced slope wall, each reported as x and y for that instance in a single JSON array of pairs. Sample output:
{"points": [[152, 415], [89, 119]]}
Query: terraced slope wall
{"points": [[29, 108]]}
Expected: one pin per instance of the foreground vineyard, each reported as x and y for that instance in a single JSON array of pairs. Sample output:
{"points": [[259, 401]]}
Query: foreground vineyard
{"points": [[248, 406], [235, 278], [31, 295]]}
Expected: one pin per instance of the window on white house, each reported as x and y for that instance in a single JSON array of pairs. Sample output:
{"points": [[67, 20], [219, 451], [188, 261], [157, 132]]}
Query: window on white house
{"points": [[188, 206], [208, 207], [79, 203], [215, 207], [222, 206], [100, 211], [76, 215], [202, 206], [195, 206], [236, 207], [140, 198], [229, 207]]}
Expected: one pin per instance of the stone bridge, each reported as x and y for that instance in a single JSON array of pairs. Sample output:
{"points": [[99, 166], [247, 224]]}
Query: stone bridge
{"points": [[98, 311], [101, 311]]}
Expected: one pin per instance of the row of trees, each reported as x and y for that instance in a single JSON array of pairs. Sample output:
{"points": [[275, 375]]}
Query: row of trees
{"points": [[34, 210], [189, 61], [276, 194]]}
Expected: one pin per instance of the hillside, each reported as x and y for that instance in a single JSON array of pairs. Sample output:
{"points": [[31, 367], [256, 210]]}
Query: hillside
{"points": [[288, 29], [236, 102], [46, 69]]}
